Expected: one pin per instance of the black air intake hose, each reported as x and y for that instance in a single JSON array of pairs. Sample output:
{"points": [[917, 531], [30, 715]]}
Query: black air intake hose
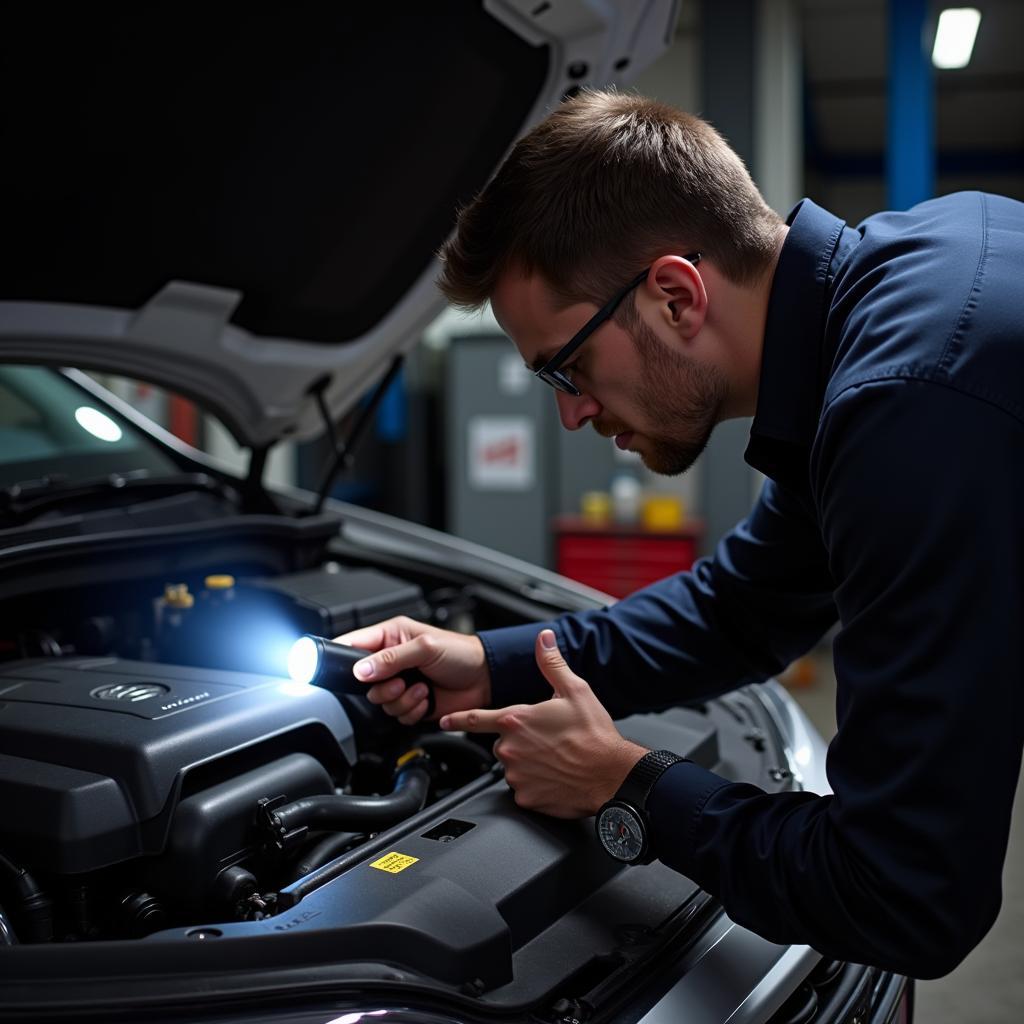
{"points": [[36, 908], [349, 813]]}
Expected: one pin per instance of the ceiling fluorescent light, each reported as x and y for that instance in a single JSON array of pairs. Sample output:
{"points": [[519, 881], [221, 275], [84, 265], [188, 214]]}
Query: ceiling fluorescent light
{"points": [[954, 38]]}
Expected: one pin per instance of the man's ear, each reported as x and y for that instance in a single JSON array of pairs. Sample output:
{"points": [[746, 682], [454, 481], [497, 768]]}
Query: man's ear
{"points": [[678, 291]]}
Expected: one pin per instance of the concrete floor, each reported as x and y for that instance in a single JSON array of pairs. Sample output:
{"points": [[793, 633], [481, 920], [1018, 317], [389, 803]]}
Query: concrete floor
{"points": [[988, 987]]}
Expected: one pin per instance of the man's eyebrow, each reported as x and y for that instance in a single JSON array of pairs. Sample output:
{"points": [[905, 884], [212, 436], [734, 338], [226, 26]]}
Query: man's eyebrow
{"points": [[542, 360]]}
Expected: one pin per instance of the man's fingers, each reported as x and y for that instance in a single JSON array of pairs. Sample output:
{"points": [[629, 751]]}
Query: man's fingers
{"points": [[385, 693], [391, 661], [477, 720], [413, 716], [395, 698], [553, 666], [381, 634], [370, 638]]}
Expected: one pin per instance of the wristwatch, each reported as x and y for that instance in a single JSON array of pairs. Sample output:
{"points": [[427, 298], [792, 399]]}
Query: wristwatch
{"points": [[622, 824]]}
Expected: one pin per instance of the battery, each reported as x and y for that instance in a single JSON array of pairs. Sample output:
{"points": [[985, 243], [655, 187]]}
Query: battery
{"points": [[334, 599]]}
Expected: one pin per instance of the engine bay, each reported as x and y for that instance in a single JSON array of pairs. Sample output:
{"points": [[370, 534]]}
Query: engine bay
{"points": [[165, 781], [153, 788]]}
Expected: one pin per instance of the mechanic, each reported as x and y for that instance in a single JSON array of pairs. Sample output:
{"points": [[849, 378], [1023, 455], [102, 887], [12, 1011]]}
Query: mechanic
{"points": [[630, 257]]}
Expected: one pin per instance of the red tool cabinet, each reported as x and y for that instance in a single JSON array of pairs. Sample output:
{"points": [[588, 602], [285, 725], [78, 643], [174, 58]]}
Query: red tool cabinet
{"points": [[619, 559]]}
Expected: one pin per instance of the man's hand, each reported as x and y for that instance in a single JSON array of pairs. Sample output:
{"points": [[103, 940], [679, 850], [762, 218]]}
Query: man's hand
{"points": [[563, 757], [454, 662]]}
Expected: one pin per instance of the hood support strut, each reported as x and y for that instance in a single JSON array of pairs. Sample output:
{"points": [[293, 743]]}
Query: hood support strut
{"points": [[254, 495], [342, 457]]}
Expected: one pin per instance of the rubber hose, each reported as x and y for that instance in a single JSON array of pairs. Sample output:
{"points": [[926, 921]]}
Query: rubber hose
{"points": [[323, 851], [358, 813], [461, 752], [35, 907]]}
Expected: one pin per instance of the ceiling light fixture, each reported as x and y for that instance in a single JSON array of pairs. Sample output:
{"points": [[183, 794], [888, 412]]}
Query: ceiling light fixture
{"points": [[954, 38]]}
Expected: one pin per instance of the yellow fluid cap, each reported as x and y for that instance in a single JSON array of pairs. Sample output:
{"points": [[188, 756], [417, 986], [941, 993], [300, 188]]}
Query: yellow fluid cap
{"points": [[409, 755], [176, 595], [220, 582]]}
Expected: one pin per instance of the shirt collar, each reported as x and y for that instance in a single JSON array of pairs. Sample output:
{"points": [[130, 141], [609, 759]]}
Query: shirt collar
{"points": [[792, 380]]}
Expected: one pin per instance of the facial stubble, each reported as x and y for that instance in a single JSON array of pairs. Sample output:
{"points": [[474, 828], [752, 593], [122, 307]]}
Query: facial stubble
{"points": [[682, 397]]}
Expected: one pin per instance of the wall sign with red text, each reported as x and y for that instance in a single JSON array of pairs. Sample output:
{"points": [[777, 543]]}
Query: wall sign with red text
{"points": [[501, 453]]}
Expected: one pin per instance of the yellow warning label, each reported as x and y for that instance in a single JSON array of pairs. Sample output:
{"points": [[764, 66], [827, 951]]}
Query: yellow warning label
{"points": [[393, 862]]}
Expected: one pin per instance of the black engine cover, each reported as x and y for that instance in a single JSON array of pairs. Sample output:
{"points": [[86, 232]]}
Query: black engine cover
{"points": [[96, 753]]}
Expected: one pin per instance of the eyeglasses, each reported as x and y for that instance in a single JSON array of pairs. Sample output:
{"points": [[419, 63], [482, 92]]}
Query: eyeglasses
{"points": [[551, 373]]}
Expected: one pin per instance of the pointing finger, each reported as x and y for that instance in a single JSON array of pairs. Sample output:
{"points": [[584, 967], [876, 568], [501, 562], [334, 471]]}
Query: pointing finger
{"points": [[477, 720]]}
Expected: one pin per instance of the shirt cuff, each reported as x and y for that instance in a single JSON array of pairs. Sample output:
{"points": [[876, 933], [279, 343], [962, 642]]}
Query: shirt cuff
{"points": [[515, 677], [674, 807]]}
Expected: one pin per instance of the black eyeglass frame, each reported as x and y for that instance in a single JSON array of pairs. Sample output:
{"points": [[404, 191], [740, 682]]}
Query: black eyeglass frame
{"points": [[551, 373]]}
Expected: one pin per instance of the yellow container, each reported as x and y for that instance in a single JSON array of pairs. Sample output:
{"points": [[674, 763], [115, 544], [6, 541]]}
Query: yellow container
{"points": [[663, 512], [596, 507]]}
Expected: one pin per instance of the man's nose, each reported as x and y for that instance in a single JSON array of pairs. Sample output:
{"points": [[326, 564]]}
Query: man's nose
{"points": [[576, 411]]}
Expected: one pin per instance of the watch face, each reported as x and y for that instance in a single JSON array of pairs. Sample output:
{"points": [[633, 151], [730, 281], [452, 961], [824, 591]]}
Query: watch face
{"points": [[621, 833]]}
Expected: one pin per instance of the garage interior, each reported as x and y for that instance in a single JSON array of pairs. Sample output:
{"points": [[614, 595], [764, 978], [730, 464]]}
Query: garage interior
{"points": [[824, 98]]}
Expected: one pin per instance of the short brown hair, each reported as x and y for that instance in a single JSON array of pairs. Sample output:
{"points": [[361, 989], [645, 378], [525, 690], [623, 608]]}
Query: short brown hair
{"points": [[599, 189]]}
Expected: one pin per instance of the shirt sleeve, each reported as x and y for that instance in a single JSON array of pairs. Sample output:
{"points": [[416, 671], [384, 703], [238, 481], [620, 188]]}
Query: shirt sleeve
{"points": [[762, 600], [922, 503]]}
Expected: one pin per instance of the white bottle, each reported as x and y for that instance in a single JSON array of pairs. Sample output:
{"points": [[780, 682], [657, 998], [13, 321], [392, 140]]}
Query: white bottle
{"points": [[626, 494]]}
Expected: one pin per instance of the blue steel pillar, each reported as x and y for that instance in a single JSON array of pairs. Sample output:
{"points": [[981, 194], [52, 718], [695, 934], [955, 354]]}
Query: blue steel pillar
{"points": [[910, 149]]}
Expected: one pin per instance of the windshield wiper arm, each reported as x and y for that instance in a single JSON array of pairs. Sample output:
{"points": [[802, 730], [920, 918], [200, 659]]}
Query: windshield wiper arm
{"points": [[26, 499]]}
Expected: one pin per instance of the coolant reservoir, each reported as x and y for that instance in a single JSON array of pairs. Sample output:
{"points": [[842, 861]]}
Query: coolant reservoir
{"points": [[219, 592], [173, 612], [174, 606], [176, 595]]}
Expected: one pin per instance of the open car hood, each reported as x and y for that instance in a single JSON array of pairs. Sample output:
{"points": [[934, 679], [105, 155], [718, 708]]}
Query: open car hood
{"points": [[245, 209]]}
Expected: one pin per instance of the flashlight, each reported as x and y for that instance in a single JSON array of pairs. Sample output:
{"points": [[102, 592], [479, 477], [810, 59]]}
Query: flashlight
{"points": [[323, 663]]}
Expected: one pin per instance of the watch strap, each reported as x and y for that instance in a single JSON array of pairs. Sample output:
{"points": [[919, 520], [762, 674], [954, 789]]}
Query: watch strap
{"points": [[638, 784]]}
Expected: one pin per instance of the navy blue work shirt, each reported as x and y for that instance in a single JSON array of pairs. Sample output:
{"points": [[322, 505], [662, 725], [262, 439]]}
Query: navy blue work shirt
{"points": [[890, 423]]}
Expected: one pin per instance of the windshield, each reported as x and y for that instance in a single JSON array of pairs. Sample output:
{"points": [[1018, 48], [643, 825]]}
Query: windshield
{"points": [[51, 428]]}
